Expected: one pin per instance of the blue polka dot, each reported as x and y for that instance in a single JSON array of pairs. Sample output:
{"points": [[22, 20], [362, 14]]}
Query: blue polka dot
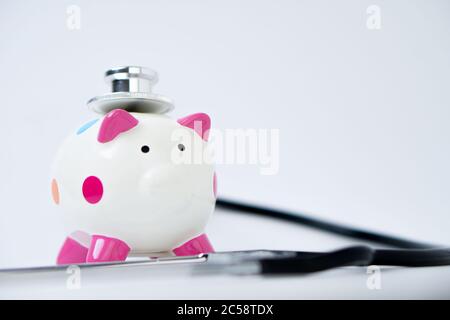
{"points": [[86, 126]]}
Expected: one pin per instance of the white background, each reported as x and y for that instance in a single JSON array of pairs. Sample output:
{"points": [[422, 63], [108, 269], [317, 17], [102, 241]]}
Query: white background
{"points": [[363, 114]]}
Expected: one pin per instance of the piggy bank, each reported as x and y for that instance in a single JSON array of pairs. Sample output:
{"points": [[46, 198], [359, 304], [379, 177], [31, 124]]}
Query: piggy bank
{"points": [[125, 184]]}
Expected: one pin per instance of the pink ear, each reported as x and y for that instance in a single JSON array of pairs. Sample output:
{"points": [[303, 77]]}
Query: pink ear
{"points": [[199, 122], [114, 123]]}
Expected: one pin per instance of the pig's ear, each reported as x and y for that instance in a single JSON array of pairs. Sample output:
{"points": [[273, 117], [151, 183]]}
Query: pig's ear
{"points": [[114, 123], [199, 122]]}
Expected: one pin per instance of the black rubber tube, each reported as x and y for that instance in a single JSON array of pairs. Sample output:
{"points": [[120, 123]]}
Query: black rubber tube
{"points": [[351, 256]]}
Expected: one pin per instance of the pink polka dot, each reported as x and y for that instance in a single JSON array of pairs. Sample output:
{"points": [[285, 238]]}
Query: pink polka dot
{"points": [[92, 189], [215, 185]]}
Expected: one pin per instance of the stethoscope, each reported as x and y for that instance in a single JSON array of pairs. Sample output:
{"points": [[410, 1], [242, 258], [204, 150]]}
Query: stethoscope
{"points": [[132, 87]]}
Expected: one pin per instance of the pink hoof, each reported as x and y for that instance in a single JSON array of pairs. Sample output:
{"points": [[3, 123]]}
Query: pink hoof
{"points": [[195, 246], [105, 249], [72, 252]]}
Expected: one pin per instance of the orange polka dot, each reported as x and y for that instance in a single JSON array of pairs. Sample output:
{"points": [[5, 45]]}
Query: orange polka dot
{"points": [[55, 191]]}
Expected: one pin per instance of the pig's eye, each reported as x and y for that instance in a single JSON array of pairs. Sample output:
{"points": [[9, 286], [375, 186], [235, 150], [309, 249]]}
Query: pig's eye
{"points": [[145, 149], [181, 147]]}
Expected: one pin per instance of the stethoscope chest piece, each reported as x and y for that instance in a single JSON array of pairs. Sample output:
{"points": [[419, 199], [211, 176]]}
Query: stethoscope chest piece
{"points": [[131, 88]]}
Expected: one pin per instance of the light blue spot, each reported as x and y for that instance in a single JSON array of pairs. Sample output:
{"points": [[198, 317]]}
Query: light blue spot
{"points": [[86, 126]]}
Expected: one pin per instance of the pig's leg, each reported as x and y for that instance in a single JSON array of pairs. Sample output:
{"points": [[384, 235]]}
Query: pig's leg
{"points": [[106, 249], [74, 249], [194, 246]]}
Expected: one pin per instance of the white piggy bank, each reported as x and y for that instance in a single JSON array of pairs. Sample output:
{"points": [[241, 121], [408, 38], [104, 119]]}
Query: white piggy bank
{"points": [[126, 183]]}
